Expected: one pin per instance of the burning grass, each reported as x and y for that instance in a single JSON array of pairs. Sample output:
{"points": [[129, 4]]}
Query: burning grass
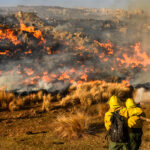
{"points": [[83, 56]]}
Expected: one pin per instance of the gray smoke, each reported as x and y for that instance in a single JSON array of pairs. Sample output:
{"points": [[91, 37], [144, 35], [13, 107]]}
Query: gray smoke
{"points": [[11, 80], [142, 77], [142, 96], [122, 28]]}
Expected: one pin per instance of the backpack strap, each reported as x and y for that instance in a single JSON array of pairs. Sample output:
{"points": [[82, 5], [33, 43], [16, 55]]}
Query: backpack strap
{"points": [[117, 111]]}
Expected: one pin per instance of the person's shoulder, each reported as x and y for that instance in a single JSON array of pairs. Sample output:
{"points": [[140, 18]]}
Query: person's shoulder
{"points": [[109, 112], [123, 108], [135, 111], [138, 109], [123, 111]]}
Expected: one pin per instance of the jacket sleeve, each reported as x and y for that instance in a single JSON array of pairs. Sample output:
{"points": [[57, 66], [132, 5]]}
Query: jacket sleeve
{"points": [[134, 120], [107, 120], [137, 112]]}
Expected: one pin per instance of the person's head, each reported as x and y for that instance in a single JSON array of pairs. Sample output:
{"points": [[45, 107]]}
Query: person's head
{"points": [[114, 102], [130, 103]]}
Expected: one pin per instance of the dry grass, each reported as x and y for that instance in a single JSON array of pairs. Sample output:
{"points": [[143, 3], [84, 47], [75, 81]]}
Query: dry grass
{"points": [[9, 101], [12, 102], [94, 92], [72, 126], [101, 109], [85, 94], [13, 106], [5, 99], [46, 102]]}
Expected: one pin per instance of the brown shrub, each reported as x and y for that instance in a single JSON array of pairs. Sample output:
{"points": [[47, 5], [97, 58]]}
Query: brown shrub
{"points": [[102, 109], [33, 98], [13, 106], [20, 102], [5, 99], [40, 95], [66, 101], [73, 126], [86, 94], [94, 92], [70, 100], [46, 102], [58, 97]]}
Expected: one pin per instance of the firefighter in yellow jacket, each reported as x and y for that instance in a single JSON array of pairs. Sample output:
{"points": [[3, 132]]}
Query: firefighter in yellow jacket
{"points": [[135, 124], [115, 105]]}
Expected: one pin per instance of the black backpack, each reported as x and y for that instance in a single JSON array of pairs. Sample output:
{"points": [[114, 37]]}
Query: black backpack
{"points": [[118, 130]]}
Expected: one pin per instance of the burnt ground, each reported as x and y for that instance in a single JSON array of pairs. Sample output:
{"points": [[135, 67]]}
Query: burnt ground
{"points": [[32, 129]]}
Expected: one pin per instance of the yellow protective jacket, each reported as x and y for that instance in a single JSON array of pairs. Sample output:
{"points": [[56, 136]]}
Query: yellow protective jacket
{"points": [[122, 112], [133, 117]]}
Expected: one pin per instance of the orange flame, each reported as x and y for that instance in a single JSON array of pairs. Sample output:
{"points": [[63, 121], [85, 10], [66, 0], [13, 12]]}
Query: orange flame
{"points": [[84, 77], [5, 52], [109, 46], [137, 59], [31, 29], [9, 34], [125, 83], [64, 76], [45, 77], [48, 50], [28, 52], [29, 71]]}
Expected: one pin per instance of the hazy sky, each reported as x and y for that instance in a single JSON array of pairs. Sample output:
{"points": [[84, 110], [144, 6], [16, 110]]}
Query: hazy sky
{"points": [[81, 3], [67, 3]]}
